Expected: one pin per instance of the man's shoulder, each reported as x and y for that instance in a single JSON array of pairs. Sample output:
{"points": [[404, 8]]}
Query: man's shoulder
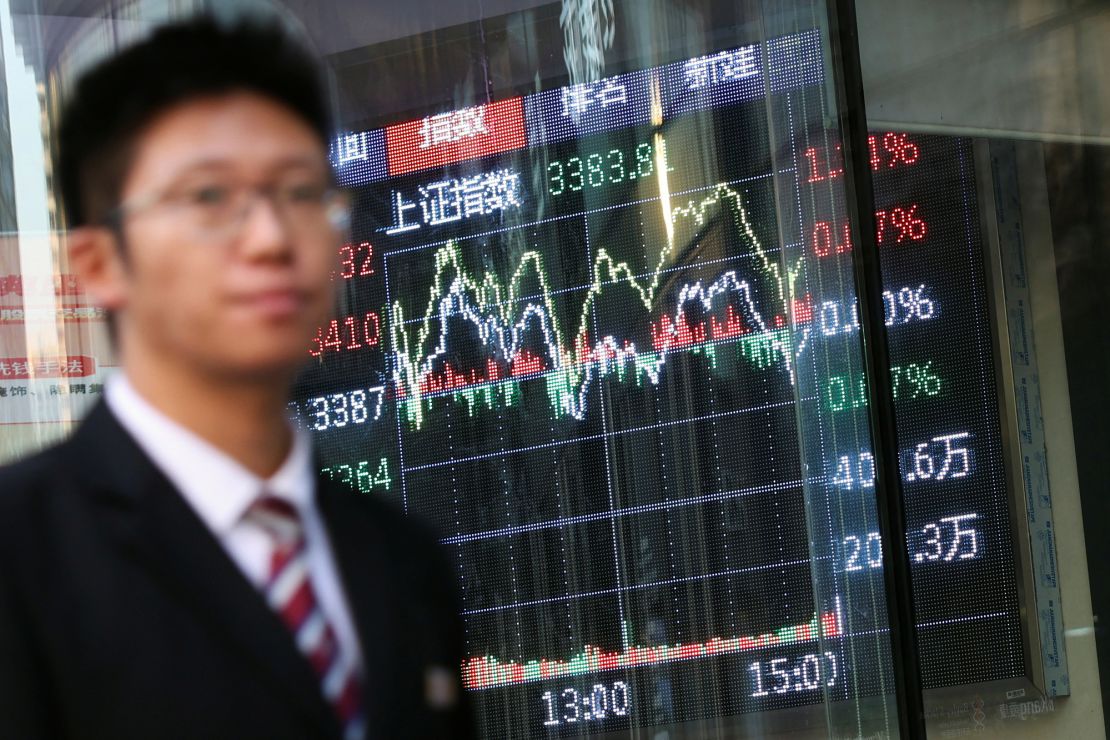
{"points": [[63, 469], [34, 492]]}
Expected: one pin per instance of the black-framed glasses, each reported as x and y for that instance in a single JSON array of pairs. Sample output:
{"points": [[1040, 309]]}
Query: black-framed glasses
{"points": [[216, 212]]}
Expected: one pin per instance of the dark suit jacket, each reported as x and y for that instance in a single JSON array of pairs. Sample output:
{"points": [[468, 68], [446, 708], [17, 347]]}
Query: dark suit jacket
{"points": [[121, 616]]}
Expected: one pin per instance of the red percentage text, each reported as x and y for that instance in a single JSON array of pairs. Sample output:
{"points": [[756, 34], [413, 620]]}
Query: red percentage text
{"points": [[892, 226], [886, 151]]}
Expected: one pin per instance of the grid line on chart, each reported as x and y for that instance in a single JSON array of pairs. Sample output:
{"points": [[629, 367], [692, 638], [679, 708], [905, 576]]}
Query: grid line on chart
{"points": [[930, 624], [630, 511], [642, 586], [604, 435]]}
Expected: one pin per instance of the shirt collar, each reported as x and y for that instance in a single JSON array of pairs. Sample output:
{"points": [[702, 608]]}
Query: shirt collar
{"points": [[217, 486]]}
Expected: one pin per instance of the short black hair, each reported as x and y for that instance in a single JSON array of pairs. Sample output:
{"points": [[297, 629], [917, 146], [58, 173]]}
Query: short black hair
{"points": [[113, 103]]}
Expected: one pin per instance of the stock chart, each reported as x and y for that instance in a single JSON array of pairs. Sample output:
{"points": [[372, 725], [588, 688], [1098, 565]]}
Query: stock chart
{"points": [[604, 339]]}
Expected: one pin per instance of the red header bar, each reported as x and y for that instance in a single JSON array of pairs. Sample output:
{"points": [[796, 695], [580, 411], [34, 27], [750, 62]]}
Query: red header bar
{"points": [[456, 136], [70, 366]]}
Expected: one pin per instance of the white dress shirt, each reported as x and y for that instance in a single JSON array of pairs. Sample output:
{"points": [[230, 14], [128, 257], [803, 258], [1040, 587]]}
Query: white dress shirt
{"points": [[221, 491]]}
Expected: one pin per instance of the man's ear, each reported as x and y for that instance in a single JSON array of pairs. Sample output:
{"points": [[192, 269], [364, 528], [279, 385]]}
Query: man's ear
{"points": [[96, 258]]}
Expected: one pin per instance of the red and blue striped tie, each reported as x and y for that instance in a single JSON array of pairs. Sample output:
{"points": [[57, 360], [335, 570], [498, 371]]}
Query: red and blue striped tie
{"points": [[289, 593]]}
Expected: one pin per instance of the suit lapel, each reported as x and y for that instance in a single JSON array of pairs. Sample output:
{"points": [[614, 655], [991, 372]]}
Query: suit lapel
{"points": [[171, 541]]}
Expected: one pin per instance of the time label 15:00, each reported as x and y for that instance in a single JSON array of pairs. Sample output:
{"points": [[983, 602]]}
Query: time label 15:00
{"points": [[608, 168], [782, 676]]}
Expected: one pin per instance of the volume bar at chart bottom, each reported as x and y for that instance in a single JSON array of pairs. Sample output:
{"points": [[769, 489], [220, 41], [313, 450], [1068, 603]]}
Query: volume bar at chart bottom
{"points": [[489, 672]]}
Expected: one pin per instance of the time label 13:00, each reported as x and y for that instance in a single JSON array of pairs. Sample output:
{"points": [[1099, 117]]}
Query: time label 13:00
{"points": [[571, 706]]}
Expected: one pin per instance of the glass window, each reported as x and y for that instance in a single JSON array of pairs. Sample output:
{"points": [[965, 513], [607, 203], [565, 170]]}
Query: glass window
{"points": [[1008, 104], [615, 275], [580, 336]]}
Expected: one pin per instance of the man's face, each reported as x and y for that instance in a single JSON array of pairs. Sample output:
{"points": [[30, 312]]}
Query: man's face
{"points": [[240, 295]]}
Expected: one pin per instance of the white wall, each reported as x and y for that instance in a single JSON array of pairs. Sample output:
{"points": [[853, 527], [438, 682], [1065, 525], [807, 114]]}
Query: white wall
{"points": [[1019, 67]]}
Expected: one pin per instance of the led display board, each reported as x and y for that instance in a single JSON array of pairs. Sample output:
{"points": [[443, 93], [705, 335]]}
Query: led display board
{"points": [[604, 339]]}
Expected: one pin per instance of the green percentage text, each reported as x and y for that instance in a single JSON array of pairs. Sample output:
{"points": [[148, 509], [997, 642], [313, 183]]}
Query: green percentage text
{"points": [[916, 380]]}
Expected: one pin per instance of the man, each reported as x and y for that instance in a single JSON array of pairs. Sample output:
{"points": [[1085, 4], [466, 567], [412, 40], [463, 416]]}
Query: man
{"points": [[178, 568]]}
